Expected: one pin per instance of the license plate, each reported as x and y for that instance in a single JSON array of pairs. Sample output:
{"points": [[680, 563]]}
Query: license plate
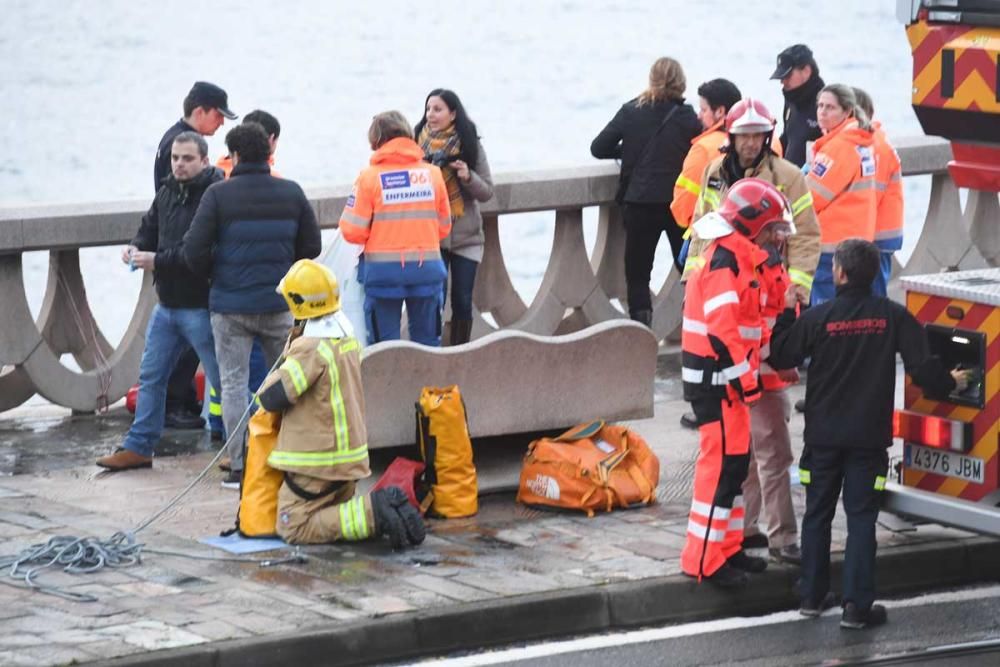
{"points": [[942, 462]]}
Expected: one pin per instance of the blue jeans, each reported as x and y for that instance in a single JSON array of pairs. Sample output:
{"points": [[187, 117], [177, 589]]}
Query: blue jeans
{"points": [[382, 315], [462, 271], [170, 332]]}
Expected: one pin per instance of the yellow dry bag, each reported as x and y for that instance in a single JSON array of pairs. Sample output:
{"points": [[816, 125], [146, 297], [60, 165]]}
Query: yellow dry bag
{"points": [[443, 437], [258, 514]]}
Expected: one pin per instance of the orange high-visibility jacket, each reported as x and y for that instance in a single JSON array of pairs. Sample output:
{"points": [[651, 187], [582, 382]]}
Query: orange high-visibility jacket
{"points": [[722, 326], [704, 148], [842, 181], [774, 282], [888, 194], [399, 211]]}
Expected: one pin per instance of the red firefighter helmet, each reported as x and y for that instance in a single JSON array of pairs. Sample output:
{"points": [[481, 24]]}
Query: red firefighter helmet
{"points": [[752, 204], [749, 116]]}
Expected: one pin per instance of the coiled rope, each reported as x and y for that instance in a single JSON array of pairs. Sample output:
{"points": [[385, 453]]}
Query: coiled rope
{"points": [[87, 555], [75, 555]]}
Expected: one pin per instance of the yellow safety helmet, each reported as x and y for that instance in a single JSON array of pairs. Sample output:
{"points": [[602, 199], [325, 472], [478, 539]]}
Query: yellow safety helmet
{"points": [[310, 289]]}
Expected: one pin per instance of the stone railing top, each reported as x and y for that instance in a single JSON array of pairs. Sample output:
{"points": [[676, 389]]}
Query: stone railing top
{"points": [[79, 225]]}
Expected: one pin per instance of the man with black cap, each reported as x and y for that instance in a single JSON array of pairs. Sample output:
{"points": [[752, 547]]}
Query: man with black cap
{"points": [[800, 82], [205, 109]]}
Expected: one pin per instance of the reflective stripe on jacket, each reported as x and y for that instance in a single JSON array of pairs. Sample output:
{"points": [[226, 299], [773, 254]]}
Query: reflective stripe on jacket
{"points": [[802, 247], [704, 148], [888, 194], [842, 181], [399, 211], [722, 325], [323, 433]]}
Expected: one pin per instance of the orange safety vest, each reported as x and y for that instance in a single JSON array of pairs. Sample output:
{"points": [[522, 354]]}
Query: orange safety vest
{"points": [[842, 181], [722, 325], [399, 211], [704, 148], [888, 194]]}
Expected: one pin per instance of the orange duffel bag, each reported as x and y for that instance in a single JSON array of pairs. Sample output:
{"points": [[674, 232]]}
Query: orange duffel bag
{"points": [[590, 467]]}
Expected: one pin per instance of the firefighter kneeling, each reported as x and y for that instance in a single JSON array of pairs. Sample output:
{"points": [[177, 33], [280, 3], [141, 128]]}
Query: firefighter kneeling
{"points": [[322, 445], [721, 340]]}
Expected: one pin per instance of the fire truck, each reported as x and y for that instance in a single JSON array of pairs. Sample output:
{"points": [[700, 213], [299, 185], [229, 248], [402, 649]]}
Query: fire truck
{"points": [[949, 472]]}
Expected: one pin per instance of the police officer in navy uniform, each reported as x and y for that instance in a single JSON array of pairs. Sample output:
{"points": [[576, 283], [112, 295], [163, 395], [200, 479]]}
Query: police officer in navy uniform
{"points": [[852, 340], [800, 82]]}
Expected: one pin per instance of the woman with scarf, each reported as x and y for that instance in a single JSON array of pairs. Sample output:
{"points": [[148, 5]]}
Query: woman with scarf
{"points": [[449, 140]]}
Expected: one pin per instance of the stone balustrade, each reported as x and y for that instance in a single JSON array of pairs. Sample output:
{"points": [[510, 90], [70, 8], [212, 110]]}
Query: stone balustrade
{"points": [[578, 289]]}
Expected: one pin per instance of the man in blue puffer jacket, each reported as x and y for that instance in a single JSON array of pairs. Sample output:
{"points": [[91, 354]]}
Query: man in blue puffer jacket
{"points": [[247, 233]]}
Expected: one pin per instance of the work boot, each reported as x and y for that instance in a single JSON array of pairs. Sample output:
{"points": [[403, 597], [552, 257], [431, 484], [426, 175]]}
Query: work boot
{"points": [[790, 553], [855, 619], [741, 561], [755, 541], [124, 459], [183, 420], [232, 479], [461, 332], [813, 610], [688, 420], [396, 518], [642, 317], [412, 521], [728, 576]]}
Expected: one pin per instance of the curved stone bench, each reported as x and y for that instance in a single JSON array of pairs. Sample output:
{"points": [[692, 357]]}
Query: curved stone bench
{"points": [[515, 382]]}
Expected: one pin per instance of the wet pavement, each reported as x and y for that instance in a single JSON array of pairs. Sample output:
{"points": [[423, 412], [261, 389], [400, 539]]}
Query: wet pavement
{"points": [[506, 550]]}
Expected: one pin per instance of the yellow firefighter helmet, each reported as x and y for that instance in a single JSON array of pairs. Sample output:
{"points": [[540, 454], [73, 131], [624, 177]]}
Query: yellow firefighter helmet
{"points": [[310, 289]]}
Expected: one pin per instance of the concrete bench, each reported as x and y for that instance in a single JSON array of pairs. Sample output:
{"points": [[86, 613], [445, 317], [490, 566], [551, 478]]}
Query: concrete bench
{"points": [[515, 382]]}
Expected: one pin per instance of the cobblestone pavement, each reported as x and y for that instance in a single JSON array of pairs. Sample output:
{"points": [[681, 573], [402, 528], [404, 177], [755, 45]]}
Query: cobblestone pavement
{"points": [[170, 601]]}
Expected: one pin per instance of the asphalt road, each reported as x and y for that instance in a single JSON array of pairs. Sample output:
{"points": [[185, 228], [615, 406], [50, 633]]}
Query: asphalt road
{"points": [[784, 638]]}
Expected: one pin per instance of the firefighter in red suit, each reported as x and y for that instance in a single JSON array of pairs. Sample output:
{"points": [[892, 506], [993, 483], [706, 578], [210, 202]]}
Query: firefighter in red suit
{"points": [[722, 332]]}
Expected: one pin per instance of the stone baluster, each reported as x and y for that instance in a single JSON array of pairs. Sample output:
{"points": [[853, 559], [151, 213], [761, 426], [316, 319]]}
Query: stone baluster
{"points": [[577, 289]]}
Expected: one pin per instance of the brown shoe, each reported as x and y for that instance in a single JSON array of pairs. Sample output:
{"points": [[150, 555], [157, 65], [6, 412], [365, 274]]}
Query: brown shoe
{"points": [[124, 459], [225, 464]]}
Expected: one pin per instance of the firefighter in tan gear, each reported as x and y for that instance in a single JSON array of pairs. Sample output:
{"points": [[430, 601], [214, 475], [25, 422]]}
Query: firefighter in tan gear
{"points": [[322, 445], [748, 155]]}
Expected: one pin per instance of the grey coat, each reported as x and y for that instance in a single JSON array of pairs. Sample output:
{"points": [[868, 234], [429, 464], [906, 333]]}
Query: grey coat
{"points": [[467, 237]]}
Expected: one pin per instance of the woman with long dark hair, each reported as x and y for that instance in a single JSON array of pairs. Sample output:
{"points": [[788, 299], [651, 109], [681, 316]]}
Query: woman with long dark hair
{"points": [[651, 135], [450, 141]]}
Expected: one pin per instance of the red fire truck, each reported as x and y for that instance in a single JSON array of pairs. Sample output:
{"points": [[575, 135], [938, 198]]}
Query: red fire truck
{"points": [[950, 467]]}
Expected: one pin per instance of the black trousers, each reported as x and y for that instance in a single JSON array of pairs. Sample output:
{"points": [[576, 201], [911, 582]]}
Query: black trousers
{"points": [[861, 473], [643, 225], [181, 394]]}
